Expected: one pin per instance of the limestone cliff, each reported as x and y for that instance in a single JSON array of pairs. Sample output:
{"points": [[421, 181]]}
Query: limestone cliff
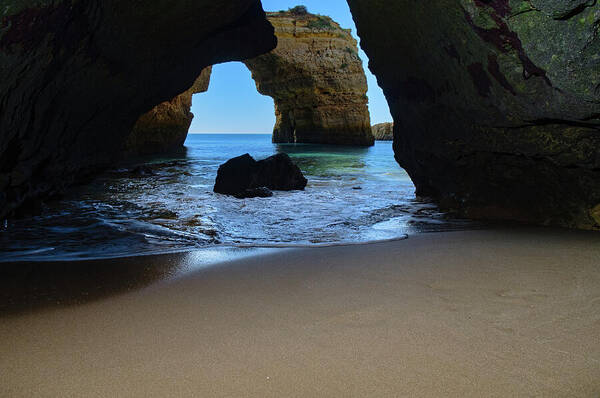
{"points": [[383, 131], [76, 76], [166, 126], [496, 103], [316, 80]]}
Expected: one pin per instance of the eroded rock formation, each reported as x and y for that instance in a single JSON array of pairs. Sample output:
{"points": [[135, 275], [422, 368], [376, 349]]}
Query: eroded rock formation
{"points": [[316, 80], [383, 131], [76, 75], [166, 126], [496, 103]]}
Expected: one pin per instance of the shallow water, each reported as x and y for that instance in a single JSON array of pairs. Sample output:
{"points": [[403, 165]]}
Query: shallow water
{"points": [[353, 195]]}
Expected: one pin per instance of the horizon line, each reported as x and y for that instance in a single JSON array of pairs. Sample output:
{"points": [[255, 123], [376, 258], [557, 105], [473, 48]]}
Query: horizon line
{"points": [[229, 132]]}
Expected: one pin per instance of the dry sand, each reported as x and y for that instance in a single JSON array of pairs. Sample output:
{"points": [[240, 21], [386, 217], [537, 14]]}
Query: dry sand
{"points": [[481, 313]]}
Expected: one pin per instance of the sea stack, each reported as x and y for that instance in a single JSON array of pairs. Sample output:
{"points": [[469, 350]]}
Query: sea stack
{"points": [[316, 79]]}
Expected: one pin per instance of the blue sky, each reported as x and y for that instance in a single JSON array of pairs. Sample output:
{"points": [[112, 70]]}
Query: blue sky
{"points": [[232, 104]]}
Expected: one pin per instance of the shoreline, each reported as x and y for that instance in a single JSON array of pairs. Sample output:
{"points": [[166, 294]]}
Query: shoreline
{"points": [[224, 246], [74, 281], [501, 312]]}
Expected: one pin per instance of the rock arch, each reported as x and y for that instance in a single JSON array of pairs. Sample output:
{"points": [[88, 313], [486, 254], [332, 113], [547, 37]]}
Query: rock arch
{"points": [[314, 76]]}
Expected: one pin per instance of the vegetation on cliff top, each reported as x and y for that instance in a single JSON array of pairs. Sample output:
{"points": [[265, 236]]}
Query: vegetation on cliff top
{"points": [[319, 21], [298, 10]]}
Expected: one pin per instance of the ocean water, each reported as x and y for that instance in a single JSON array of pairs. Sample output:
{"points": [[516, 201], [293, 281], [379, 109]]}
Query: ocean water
{"points": [[353, 195]]}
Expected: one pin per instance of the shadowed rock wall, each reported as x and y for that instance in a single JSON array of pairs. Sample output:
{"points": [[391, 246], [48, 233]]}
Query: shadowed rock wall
{"points": [[496, 103], [316, 80], [76, 75], [166, 126]]}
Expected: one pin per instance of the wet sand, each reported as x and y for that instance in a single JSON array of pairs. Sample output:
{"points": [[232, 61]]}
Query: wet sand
{"points": [[463, 314]]}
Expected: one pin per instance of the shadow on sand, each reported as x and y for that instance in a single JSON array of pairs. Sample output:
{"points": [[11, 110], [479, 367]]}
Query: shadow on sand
{"points": [[31, 286]]}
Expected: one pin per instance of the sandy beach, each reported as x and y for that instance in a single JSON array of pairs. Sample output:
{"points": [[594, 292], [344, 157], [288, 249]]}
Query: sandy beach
{"points": [[494, 313]]}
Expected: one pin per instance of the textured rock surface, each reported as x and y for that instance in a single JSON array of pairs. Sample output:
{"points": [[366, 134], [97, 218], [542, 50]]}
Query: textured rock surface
{"points": [[243, 176], [496, 103], [166, 126], [261, 192], [76, 76], [316, 80], [383, 131]]}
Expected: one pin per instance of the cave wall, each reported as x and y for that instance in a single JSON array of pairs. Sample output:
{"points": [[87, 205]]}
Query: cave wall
{"points": [[317, 82], [165, 127], [76, 76], [496, 103]]}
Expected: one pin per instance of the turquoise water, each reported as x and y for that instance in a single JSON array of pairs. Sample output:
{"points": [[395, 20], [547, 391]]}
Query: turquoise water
{"points": [[353, 195]]}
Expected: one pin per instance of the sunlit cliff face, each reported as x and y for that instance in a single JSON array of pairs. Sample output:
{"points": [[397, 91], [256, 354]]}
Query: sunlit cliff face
{"points": [[317, 81]]}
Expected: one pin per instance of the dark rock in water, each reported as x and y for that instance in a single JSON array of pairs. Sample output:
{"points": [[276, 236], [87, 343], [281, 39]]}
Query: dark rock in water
{"points": [[142, 171], [262, 192], [158, 214], [235, 175], [279, 173], [245, 177]]}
